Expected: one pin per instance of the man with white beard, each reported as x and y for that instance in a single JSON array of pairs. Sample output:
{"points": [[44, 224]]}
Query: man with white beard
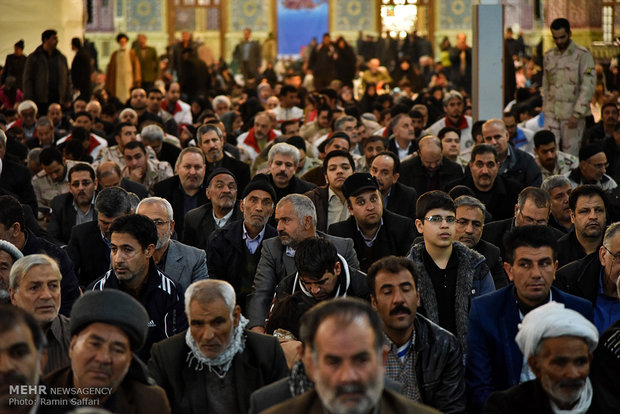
{"points": [[184, 264], [558, 344]]}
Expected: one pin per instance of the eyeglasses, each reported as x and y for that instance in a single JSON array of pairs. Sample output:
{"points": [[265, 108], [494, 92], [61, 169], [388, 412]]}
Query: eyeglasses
{"points": [[438, 219], [600, 166], [160, 222], [615, 256], [531, 221], [464, 222]]}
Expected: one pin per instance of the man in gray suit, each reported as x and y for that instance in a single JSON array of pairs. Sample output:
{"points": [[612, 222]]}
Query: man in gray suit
{"points": [[184, 264], [296, 218]]}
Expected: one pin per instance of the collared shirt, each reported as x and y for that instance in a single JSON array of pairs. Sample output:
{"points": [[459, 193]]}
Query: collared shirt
{"points": [[400, 366], [252, 244], [402, 153], [81, 217], [221, 222], [336, 210], [367, 241], [606, 309], [58, 339]]}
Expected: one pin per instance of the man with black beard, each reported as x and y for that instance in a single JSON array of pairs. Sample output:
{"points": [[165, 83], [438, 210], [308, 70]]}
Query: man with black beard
{"points": [[185, 264]]}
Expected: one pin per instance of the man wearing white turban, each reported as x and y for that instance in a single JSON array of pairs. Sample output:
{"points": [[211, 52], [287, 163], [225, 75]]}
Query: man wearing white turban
{"points": [[558, 344]]}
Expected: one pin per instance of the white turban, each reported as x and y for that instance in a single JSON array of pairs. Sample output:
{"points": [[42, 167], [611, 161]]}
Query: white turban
{"points": [[551, 321]]}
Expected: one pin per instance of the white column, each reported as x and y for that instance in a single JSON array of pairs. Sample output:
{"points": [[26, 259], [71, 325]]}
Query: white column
{"points": [[488, 58]]}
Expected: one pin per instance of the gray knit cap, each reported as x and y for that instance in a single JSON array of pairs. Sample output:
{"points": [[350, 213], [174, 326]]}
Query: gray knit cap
{"points": [[11, 249]]}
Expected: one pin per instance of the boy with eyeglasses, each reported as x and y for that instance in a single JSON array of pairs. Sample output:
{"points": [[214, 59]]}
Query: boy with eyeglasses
{"points": [[450, 274]]}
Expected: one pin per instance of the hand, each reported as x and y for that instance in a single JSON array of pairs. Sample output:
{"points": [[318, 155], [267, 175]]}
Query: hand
{"points": [[136, 174], [258, 329], [572, 122], [292, 352]]}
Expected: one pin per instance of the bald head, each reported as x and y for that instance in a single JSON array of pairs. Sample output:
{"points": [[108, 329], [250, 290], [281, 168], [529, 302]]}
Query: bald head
{"points": [[109, 174]]}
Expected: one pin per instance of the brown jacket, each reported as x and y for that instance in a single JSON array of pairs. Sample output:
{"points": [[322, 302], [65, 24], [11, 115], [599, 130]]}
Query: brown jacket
{"points": [[110, 77]]}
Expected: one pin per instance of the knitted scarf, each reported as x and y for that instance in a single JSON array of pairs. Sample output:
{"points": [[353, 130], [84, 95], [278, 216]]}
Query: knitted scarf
{"points": [[221, 363]]}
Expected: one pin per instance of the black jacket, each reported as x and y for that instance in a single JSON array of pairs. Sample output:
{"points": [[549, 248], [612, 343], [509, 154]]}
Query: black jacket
{"points": [[163, 302], [240, 170], [414, 174], [495, 231], [402, 200], [199, 225], [171, 190], [88, 252], [395, 237], [69, 288], [296, 186], [134, 187], [521, 168], [320, 199], [501, 199], [169, 153], [495, 262], [413, 146], [226, 255], [63, 217], [16, 179], [569, 249], [606, 365], [351, 282], [439, 367], [580, 277]]}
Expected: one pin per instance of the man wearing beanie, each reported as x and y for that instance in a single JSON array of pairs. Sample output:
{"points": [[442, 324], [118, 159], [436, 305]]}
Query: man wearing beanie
{"points": [[132, 246], [233, 251], [223, 208], [592, 168], [9, 254], [558, 344], [104, 371]]}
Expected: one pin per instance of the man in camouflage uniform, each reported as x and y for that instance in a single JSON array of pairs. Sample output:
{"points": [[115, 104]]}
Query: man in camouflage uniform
{"points": [[568, 85], [549, 159], [125, 133], [143, 170], [53, 179]]}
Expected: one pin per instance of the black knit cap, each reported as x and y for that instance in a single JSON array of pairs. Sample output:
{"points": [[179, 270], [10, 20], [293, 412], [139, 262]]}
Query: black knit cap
{"points": [[587, 151], [218, 171], [259, 182], [113, 307], [357, 183]]}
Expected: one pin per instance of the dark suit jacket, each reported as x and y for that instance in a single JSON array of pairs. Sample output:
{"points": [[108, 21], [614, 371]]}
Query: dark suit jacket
{"points": [[296, 186], [199, 224], [390, 403], [494, 261], [402, 200], [495, 231], [569, 249], [494, 360], [171, 190], [502, 196], [580, 277], [413, 146], [261, 363], [134, 187], [16, 179], [320, 199], [226, 255], [414, 174], [530, 397], [395, 238], [185, 264], [240, 169], [89, 253], [169, 152], [63, 218], [275, 265]]}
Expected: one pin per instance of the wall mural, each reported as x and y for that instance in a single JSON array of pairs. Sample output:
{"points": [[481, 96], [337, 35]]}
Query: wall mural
{"points": [[455, 14], [312, 15], [248, 13], [144, 15], [354, 15]]}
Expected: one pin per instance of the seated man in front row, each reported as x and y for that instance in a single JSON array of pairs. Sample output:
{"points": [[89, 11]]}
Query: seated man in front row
{"points": [[494, 362], [558, 344], [216, 364]]}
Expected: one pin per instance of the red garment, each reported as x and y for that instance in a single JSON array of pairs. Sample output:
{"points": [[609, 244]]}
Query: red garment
{"points": [[250, 140], [92, 143], [177, 106], [462, 123]]}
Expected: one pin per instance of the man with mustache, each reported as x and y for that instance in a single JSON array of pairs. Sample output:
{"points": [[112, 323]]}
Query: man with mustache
{"points": [[397, 197], [592, 168], [282, 160], [185, 264], [588, 209], [548, 335], [35, 287], [296, 218], [234, 251], [132, 245], [494, 362], [21, 350], [222, 209], [328, 200], [75, 207], [139, 168], [346, 362], [216, 364], [497, 193], [108, 328], [550, 160], [211, 140], [559, 188], [186, 190], [424, 358]]}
